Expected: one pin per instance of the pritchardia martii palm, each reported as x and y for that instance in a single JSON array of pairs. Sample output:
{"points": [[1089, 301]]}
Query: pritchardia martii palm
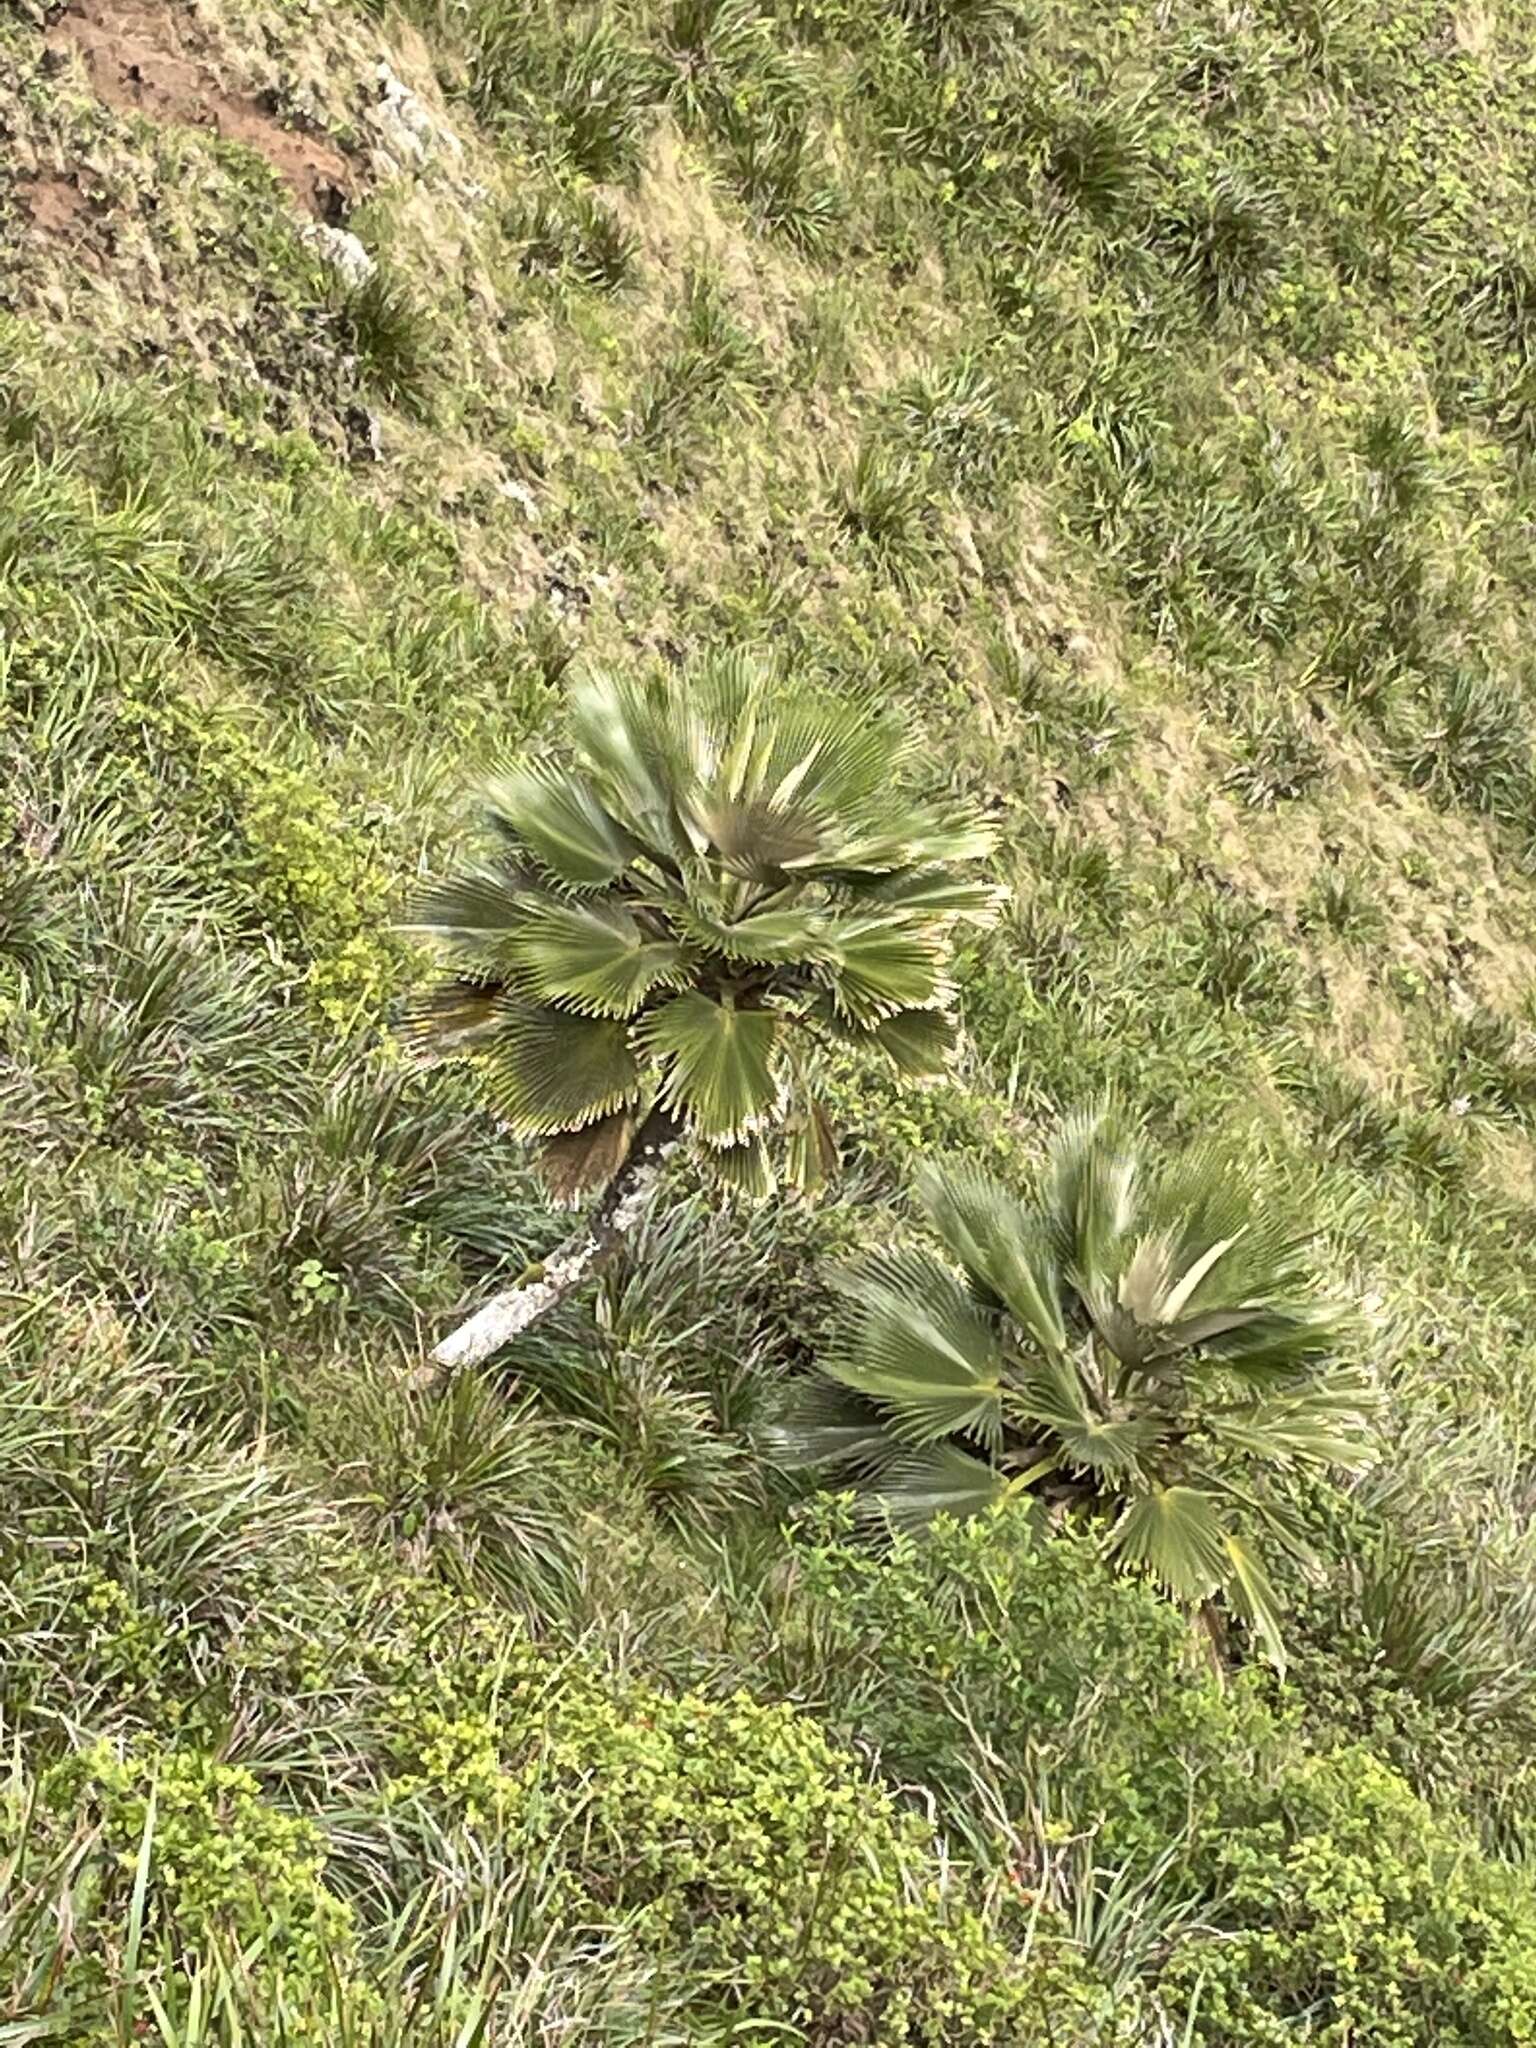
{"points": [[1140, 1341], [722, 873]]}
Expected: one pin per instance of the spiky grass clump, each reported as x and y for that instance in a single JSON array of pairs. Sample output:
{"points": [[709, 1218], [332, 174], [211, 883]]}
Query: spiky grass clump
{"points": [[573, 237], [459, 1479], [389, 331], [884, 503]]}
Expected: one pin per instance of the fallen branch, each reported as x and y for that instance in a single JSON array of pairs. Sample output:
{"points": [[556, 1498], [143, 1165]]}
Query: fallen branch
{"points": [[624, 1201]]}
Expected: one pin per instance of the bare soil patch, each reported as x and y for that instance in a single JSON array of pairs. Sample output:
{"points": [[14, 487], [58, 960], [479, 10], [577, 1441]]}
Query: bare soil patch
{"points": [[53, 204], [156, 59]]}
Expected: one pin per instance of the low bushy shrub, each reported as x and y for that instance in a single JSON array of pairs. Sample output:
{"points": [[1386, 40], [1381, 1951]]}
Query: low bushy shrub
{"points": [[989, 1647], [1344, 1910], [728, 1831]]}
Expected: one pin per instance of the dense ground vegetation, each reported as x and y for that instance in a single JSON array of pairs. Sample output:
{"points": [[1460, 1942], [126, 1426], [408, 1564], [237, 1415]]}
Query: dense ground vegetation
{"points": [[1139, 403]]}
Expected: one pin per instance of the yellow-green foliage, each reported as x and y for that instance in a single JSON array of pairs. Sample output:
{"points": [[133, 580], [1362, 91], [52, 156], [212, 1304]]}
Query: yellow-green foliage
{"points": [[727, 1831], [1345, 1895], [321, 882], [189, 1860]]}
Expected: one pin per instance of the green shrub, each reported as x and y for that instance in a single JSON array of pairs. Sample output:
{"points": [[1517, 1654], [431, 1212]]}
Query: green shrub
{"points": [[987, 1647], [728, 1832], [1345, 1911], [177, 1856], [318, 885]]}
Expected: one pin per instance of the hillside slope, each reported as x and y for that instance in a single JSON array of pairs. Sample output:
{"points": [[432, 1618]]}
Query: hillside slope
{"points": [[1141, 402]]}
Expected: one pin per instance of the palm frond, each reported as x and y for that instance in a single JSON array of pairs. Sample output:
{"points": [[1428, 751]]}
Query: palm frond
{"points": [[918, 1043], [753, 839], [879, 846], [916, 1346], [1249, 1589], [799, 750], [549, 1071], [555, 815], [1052, 1395], [939, 1480], [575, 1163], [639, 744], [1324, 1422], [1277, 1339], [811, 1149], [719, 1063], [829, 1425], [745, 1167], [1003, 1247], [455, 1017], [935, 890], [472, 911], [1228, 1248], [1175, 1533], [1091, 1189], [591, 955], [877, 967], [768, 938]]}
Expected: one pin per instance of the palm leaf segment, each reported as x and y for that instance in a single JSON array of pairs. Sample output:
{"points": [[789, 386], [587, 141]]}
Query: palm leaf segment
{"points": [[1152, 1343], [726, 871]]}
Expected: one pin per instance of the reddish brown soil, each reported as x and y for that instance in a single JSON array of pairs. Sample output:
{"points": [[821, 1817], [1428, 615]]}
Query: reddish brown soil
{"points": [[53, 204], [153, 56]]}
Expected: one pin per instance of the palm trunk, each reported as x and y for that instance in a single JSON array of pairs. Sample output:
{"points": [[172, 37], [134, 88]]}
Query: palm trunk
{"points": [[623, 1202], [1213, 1629]]}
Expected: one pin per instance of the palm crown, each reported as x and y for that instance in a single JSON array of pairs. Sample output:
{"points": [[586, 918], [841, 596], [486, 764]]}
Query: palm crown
{"points": [[726, 871], [1146, 1340]]}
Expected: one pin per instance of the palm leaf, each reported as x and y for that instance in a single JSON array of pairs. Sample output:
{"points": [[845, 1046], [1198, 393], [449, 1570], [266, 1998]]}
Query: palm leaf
{"points": [[556, 815], [472, 912], [1277, 1338], [1006, 1250], [829, 1425], [936, 891], [1176, 1534], [591, 955], [769, 938], [745, 1167], [918, 1043], [939, 1480], [550, 1072], [1052, 1394], [576, 1162], [637, 744], [753, 839], [830, 759], [1325, 1422], [455, 1017], [811, 1150], [1148, 1278], [878, 967], [1249, 1589], [1091, 1192], [719, 1061], [882, 838], [731, 696], [913, 1343]]}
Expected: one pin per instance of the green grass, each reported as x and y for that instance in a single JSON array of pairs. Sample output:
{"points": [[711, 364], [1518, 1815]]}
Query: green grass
{"points": [[1140, 402]]}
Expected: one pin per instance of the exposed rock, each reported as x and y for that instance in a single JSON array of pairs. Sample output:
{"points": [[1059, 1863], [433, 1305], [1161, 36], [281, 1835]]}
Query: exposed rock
{"points": [[409, 130], [341, 249]]}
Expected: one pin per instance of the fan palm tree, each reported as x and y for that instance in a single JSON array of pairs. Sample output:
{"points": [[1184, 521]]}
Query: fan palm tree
{"points": [[1143, 1342], [727, 873]]}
